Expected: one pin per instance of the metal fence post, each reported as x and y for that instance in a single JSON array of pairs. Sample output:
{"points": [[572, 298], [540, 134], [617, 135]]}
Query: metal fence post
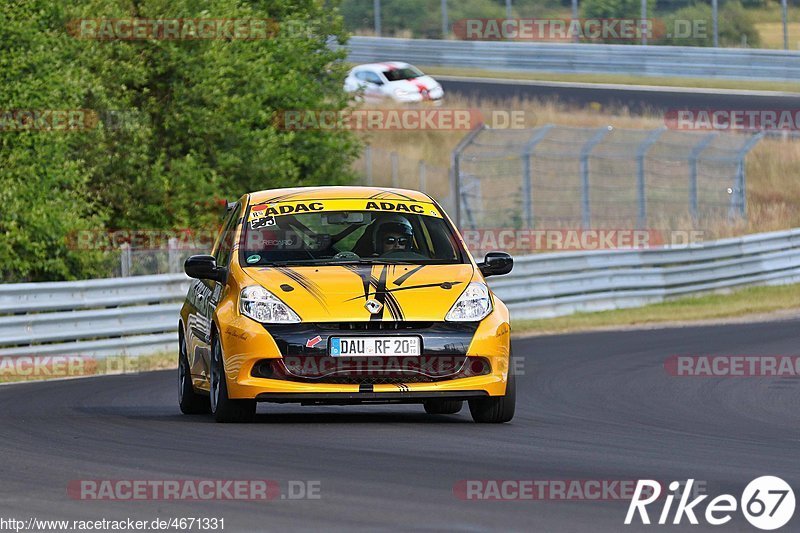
{"points": [[395, 170], [641, 188], [740, 193], [693, 157], [527, 174], [368, 163], [455, 169], [125, 260], [586, 209], [173, 257], [422, 176]]}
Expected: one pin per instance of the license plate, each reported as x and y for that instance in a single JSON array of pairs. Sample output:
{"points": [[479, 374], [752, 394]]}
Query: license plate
{"points": [[374, 346]]}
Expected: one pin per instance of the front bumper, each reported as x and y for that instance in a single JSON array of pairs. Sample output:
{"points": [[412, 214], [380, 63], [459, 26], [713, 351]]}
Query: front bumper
{"points": [[247, 346], [366, 396]]}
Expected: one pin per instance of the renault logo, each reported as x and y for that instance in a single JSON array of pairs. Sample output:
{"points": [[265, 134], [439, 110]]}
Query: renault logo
{"points": [[373, 306]]}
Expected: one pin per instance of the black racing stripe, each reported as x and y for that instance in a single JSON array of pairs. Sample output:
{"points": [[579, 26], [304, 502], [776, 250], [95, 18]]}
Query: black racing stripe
{"points": [[380, 293], [411, 287], [284, 196], [306, 283], [366, 276], [384, 191], [399, 281], [394, 307]]}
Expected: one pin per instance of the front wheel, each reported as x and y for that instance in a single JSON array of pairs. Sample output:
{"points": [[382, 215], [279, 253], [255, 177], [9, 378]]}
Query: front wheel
{"points": [[223, 408], [496, 409]]}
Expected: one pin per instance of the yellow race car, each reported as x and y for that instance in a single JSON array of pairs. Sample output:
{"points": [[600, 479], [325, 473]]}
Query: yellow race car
{"points": [[343, 295]]}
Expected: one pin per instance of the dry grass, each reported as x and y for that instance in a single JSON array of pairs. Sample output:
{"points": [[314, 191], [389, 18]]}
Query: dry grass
{"points": [[771, 34], [772, 167], [742, 303], [87, 367], [627, 79]]}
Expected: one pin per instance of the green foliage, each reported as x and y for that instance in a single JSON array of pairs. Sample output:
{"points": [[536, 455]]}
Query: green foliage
{"points": [[416, 18], [194, 121], [734, 22], [603, 9]]}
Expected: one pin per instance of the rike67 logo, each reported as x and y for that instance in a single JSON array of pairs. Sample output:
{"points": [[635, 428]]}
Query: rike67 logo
{"points": [[767, 503]]}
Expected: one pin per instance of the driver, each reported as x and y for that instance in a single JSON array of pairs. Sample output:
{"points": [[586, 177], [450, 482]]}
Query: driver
{"points": [[392, 233]]}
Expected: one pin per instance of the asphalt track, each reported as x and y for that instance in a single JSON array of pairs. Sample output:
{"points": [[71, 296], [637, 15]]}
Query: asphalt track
{"points": [[590, 406], [636, 99]]}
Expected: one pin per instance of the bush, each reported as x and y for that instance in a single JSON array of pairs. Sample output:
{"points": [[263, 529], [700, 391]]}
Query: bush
{"points": [[734, 22], [198, 123]]}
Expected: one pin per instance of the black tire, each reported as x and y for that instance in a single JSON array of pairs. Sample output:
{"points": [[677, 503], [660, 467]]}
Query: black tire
{"points": [[190, 401], [496, 409], [443, 407], [223, 408]]}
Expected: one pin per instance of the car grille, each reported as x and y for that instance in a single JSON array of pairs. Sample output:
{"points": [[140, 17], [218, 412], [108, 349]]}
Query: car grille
{"points": [[374, 325], [371, 370]]}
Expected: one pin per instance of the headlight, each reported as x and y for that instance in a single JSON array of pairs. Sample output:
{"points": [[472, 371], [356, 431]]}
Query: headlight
{"points": [[473, 304], [262, 306]]}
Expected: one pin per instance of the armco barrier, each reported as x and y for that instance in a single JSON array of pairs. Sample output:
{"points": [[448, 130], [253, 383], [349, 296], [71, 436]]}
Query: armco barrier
{"points": [[670, 61], [139, 315], [555, 284], [132, 316]]}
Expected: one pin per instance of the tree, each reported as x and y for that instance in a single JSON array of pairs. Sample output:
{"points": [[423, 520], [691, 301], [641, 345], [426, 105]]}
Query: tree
{"points": [[194, 120]]}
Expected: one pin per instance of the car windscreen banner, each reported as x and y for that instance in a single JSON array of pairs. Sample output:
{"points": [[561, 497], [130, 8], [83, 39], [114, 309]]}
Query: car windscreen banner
{"points": [[272, 209]]}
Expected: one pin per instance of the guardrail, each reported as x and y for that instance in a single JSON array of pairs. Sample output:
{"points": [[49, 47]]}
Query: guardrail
{"points": [[139, 315], [670, 61], [555, 284], [132, 316]]}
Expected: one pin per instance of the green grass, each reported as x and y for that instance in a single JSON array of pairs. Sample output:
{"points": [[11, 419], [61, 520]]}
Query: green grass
{"points": [[744, 302], [619, 79], [15, 370]]}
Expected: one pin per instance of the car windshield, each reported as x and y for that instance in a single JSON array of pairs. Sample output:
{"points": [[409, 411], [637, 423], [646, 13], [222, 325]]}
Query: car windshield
{"points": [[310, 234], [406, 73]]}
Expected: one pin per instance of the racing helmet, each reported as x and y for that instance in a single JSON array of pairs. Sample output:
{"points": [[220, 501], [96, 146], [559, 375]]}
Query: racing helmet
{"points": [[391, 224]]}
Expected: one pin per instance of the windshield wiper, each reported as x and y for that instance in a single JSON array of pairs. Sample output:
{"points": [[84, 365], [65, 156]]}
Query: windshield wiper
{"points": [[373, 262]]}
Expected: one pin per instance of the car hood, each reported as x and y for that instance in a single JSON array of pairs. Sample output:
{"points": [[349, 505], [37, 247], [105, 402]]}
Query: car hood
{"points": [[418, 84], [339, 293]]}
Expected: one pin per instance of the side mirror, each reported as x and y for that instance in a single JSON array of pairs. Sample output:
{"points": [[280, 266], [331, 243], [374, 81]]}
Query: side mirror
{"points": [[496, 264], [205, 267]]}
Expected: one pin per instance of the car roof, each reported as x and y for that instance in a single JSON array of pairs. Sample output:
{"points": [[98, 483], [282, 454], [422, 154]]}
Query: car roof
{"points": [[330, 192], [386, 65]]}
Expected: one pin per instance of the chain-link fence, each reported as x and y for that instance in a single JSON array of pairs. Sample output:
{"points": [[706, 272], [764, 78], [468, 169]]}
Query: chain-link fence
{"points": [[147, 261], [552, 177], [386, 168], [556, 176]]}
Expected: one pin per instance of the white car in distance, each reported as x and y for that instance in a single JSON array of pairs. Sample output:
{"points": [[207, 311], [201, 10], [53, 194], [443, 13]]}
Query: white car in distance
{"points": [[393, 80]]}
